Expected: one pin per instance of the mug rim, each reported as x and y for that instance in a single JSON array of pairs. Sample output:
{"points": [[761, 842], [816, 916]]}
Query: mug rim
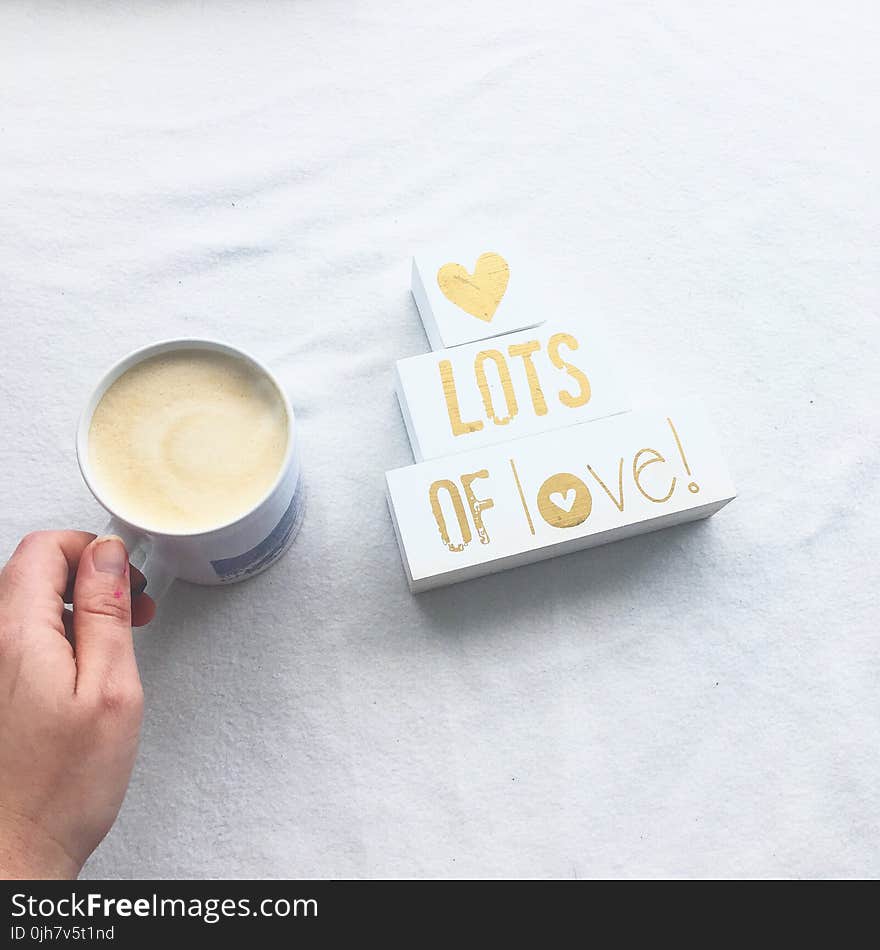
{"points": [[133, 358]]}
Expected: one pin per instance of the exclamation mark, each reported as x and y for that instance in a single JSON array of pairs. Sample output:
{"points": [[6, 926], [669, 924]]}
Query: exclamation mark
{"points": [[693, 487]]}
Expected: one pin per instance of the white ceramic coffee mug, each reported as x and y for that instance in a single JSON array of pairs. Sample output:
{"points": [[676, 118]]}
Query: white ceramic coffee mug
{"points": [[223, 554]]}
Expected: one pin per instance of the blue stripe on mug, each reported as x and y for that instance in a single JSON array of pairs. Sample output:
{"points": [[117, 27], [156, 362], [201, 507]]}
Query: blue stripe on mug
{"points": [[260, 556]]}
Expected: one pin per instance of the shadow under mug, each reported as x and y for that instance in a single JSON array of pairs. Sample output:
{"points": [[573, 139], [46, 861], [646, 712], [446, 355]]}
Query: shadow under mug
{"points": [[229, 552]]}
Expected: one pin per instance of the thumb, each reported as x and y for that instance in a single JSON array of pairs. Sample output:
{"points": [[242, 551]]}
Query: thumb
{"points": [[102, 618]]}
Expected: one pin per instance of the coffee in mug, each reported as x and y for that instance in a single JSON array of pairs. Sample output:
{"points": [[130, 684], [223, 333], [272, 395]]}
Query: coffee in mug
{"points": [[191, 447], [187, 440]]}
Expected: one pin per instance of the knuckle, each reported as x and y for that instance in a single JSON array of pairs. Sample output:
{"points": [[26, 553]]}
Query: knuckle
{"points": [[105, 604], [16, 571], [33, 539], [121, 698]]}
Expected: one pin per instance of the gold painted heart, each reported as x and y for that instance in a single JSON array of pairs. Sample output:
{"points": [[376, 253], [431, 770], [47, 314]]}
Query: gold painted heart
{"points": [[479, 293]]}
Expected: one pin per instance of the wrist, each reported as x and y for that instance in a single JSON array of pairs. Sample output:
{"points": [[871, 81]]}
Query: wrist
{"points": [[28, 852]]}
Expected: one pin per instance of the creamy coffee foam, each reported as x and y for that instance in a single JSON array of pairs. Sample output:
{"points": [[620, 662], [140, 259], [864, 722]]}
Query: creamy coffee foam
{"points": [[187, 441]]}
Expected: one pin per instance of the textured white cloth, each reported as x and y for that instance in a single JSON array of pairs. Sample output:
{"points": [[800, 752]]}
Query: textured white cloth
{"points": [[700, 180]]}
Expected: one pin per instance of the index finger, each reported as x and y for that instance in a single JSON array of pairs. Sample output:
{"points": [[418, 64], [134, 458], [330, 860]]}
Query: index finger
{"points": [[40, 566]]}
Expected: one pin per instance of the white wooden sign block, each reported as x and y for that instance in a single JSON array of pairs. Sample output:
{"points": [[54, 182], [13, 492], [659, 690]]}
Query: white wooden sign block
{"points": [[512, 386], [505, 505], [467, 291]]}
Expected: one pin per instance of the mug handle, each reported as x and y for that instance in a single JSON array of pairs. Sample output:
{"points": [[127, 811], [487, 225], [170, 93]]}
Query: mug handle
{"points": [[143, 555]]}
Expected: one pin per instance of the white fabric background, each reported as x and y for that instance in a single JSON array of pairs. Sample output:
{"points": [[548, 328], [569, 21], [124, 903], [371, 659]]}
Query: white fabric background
{"points": [[701, 181]]}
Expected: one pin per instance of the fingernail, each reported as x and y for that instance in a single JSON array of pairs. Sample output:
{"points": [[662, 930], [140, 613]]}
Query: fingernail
{"points": [[110, 556]]}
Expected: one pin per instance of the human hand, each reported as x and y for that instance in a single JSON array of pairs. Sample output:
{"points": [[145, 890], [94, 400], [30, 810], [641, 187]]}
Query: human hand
{"points": [[70, 698]]}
